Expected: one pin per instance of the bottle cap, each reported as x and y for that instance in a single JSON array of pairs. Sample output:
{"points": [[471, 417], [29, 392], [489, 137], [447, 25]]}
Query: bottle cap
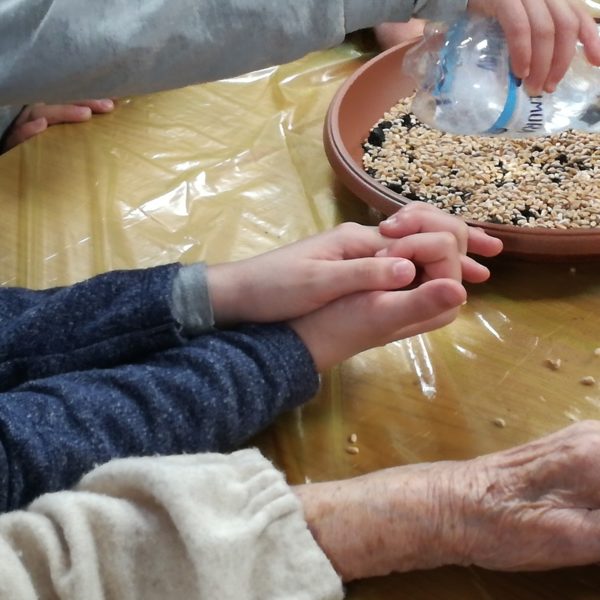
{"points": [[593, 7]]}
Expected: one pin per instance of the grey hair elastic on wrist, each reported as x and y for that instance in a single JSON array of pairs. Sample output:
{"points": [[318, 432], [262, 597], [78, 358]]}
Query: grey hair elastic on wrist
{"points": [[191, 304]]}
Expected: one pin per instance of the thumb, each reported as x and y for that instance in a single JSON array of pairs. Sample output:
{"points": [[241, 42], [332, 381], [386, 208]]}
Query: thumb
{"points": [[345, 277]]}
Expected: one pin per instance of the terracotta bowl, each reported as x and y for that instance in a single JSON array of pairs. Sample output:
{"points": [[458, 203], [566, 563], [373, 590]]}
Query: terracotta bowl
{"points": [[361, 102]]}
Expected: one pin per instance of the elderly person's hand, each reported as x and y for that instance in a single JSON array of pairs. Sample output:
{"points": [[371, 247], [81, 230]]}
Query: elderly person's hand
{"points": [[533, 507], [36, 118]]}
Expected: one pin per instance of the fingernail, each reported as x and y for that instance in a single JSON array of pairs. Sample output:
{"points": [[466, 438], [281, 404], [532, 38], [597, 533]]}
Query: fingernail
{"points": [[403, 268], [380, 253], [40, 124], [107, 104], [84, 112], [391, 219]]}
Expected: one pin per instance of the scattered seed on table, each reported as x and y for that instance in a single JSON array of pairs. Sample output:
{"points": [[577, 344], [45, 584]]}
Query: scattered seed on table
{"points": [[597, 351], [499, 422], [352, 449], [553, 363], [353, 438], [549, 182], [587, 380]]}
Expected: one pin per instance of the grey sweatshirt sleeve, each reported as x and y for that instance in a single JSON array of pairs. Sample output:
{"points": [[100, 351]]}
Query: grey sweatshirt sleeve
{"points": [[362, 13], [60, 50], [179, 527]]}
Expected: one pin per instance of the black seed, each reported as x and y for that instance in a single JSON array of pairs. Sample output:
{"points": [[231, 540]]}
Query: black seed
{"points": [[371, 172], [395, 187], [376, 137], [406, 121], [384, 124], [581, 165], [413, 196], [562, 158], [527, 213]]}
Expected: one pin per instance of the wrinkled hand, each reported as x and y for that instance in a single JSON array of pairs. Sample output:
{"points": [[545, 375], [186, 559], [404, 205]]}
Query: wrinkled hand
{"points": [[305, 276], [542, 35], [36, 118], [534, 507]]}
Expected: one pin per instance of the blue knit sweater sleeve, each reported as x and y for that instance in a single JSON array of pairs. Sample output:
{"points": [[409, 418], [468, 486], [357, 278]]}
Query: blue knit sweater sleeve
{"points": [[210, 394], [100, 322]]}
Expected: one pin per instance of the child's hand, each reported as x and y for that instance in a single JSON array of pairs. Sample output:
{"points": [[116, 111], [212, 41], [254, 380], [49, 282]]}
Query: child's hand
{"points": [[36, 118], [421, 218], [303, 277], [541, 36], [368, 319]]}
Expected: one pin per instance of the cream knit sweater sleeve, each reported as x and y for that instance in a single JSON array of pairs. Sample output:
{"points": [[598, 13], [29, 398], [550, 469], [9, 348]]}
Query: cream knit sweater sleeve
{"points": [[178, 528]]}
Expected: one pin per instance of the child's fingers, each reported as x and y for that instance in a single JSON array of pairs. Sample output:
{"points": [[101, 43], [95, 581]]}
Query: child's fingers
{"points": [[482, 243], [104, 105], [342, 277], [402, 314], [60, 113], [515, 24], [419, 217], [472, 271], [566, 23], [21, 133], [543, 34], [588, 32], [436, 253]]}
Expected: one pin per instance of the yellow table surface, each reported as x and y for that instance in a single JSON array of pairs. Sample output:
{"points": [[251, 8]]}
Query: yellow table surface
{"points": [[234, 168]]}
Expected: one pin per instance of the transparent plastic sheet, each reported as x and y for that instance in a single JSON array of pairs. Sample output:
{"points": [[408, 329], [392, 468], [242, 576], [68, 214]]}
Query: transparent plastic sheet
{"points": [[234, 168]]}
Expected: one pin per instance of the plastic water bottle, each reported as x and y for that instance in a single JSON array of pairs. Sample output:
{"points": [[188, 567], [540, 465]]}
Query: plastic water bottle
{"points": [[465, 86]]}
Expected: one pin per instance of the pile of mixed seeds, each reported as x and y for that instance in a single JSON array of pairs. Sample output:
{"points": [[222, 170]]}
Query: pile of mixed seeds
{"points": [[551, 182]]}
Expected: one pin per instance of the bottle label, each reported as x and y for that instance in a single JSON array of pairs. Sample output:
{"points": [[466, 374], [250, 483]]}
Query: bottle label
{"points": [[522, 114]]}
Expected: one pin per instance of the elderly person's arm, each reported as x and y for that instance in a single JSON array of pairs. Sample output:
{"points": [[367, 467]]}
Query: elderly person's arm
{"points": [[229, 527], [176, 528], [530, 508]]}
